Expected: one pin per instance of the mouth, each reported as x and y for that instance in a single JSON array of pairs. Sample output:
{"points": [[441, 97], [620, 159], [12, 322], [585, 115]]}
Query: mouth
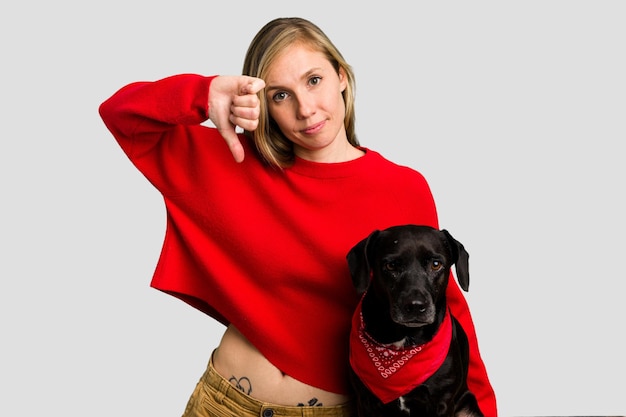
{"points": [[413, 317], [412, 323], [313, 129]]}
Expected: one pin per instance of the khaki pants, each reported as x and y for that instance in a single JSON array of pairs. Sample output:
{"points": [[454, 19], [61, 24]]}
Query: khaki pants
{"points": [[214, 396]]}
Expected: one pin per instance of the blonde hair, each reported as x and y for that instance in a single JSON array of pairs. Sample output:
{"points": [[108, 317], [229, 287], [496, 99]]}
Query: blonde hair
{"points": [[274, 37]]}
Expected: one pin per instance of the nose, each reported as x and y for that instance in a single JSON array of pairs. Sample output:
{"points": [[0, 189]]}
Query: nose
{"points": [[414, 307], [306, 107]]}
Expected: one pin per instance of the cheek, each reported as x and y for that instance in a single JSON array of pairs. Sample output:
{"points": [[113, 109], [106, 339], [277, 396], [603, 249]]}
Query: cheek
{"points": [[281, 115], [338, 106], [440, 284]]}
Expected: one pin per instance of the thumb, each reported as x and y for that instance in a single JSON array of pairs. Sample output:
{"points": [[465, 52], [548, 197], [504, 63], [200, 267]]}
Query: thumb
{"points": [[232, 140], [251, 85]]}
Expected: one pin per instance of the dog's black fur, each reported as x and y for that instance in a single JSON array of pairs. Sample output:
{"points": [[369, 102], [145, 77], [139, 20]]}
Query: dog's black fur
{"points": [[404, 271]]}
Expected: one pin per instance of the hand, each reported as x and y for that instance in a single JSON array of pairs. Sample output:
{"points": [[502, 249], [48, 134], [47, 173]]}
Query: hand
{"points": [[233, 102]]}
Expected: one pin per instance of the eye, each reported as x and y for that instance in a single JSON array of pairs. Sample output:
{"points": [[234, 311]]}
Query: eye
{"points": [[391, 266], [280, 96], [315, 80], [435, 265]]}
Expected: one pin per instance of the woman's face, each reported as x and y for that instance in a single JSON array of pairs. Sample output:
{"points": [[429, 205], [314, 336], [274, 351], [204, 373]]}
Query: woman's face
{"points": [[303, 93]]}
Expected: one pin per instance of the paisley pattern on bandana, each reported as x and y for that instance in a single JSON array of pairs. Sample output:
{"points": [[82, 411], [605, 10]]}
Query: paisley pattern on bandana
{"points": [[391, 372], [386, 359]]}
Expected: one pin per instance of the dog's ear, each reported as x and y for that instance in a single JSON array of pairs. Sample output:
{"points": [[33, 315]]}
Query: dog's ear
{"points": [[460, 258], [358, 262]]}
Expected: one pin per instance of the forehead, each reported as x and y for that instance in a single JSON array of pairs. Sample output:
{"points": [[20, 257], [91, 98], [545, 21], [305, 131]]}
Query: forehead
{"points": [[294, 61], [411, 239]]}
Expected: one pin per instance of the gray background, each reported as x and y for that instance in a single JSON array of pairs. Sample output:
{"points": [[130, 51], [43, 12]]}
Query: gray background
{"points": [[514, 111]]}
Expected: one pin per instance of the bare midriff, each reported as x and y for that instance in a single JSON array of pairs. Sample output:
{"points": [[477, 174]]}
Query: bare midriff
{"points": [[238, 361]]}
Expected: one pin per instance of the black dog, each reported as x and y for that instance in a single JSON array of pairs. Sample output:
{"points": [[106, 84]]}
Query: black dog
{"points": [[409, 356]]}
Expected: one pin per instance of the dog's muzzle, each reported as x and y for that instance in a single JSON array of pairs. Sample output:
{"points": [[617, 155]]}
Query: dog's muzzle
{"points": [[413, 311]]}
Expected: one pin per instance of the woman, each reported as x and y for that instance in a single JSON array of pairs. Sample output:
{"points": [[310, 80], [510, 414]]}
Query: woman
{"points": [[258, 229]]}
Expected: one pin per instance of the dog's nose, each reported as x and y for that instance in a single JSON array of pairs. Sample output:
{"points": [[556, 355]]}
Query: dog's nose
{"points": [[415, 306]]}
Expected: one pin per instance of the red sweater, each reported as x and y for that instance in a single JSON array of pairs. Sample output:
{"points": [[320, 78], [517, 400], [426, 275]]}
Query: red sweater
{"points": [[266, 249]]}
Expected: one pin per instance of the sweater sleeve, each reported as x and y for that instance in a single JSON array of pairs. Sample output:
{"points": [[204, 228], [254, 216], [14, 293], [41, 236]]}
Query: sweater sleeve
{"points": [[156, 124], [477, 379]]}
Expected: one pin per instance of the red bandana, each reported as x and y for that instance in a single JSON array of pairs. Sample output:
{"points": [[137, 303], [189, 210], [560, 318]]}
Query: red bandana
{"points": [[390, 372]]}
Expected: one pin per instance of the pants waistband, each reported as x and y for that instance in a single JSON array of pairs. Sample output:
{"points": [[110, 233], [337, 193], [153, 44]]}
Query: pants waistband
{"points": [[225, 389]]}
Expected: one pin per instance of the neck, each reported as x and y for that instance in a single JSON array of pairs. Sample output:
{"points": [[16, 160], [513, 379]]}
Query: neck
{"points": [[341, 153]]}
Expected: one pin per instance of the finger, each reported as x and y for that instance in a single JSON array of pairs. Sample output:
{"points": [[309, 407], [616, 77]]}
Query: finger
{"points": [[232, 140], [245, 115], [245, 124], [252, 86]]}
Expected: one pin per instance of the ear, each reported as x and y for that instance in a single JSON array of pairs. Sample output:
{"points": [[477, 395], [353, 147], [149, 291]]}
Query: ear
{"points": [[358, 262], [343, 79], [460, 258]]}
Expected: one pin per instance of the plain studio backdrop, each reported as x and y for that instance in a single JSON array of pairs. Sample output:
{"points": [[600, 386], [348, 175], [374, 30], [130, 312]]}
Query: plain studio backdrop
{"points": [[514, 111]]}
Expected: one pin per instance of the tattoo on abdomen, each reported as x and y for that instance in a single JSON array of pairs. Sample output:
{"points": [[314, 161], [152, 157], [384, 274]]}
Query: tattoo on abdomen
{"points": [[312, 402], [243, 384]]}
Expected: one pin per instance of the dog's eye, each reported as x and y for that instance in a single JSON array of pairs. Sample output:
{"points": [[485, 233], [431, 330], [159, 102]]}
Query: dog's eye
{"points": [[435, 265], [390, 266]]}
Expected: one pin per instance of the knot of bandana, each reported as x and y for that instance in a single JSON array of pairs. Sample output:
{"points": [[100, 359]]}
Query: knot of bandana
{"points": [[391, 372]]}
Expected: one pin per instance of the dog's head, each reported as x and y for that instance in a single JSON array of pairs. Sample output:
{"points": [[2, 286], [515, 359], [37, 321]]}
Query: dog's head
{"points": [[408, 266]]}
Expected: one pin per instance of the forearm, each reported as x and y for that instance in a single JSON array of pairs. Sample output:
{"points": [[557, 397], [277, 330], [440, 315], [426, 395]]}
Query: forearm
{"points": [[140, 113]]}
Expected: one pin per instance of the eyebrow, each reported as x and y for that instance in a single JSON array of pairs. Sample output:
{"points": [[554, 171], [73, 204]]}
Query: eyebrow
{"points": [[304, 76]]}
